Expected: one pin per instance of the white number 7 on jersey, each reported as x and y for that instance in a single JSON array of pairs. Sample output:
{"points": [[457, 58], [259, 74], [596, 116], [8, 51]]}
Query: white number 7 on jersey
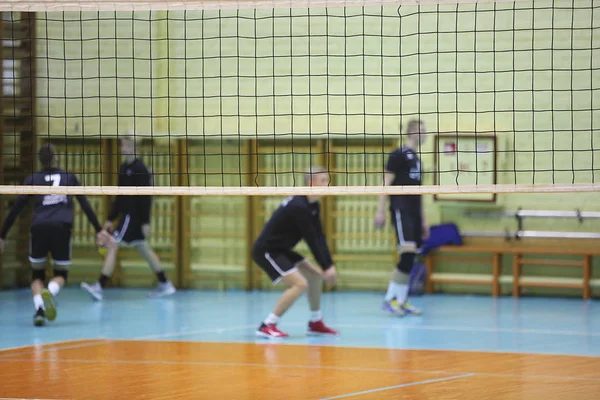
{"points": [[55, 178]]}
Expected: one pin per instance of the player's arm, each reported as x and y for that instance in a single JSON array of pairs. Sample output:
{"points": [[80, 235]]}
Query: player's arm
{"points": [[144, 178], [115, 208], [313, 236], [388, 178], [395, 163], [16, 209], [85, 205]]}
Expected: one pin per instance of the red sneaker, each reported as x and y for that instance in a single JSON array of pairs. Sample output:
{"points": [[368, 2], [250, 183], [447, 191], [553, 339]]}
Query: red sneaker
{"points": [[319, 328], [270, 331]]}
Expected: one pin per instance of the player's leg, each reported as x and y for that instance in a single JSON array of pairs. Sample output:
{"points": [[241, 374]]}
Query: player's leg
{"points": [[316, 326], [165, 287], [279, 268], [408, 233], [108, 267], [96, 289], [38, 251], [38, 277], [59, 237]]}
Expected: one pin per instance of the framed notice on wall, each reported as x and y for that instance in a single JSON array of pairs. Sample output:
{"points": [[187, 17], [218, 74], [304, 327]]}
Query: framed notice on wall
{"points": [[465, 160]]}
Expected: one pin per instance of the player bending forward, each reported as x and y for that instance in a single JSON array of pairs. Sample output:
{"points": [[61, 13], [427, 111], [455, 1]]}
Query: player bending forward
{"points": [[134, 226], [404, 168], [295, 219], [50, 231]]}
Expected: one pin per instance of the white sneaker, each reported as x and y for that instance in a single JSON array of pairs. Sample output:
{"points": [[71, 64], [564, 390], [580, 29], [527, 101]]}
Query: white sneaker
{"points": [[163, 289], [94, 290]]}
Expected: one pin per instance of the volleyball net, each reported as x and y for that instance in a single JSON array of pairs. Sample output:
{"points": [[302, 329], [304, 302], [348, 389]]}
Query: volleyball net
{"points": [[241, 98]]}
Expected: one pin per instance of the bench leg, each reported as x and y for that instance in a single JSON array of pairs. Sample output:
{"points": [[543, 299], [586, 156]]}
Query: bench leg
{"points": [[516, 274], [587, 271], [496, 275], [429, 267]]}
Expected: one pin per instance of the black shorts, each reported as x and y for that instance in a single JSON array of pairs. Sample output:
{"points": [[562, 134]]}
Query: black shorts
{"points": [[408, 225], [50, 238], [276, 263], [129, 231]]}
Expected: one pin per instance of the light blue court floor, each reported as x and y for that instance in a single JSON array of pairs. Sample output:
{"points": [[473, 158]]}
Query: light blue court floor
{"points": [[466, 323]]}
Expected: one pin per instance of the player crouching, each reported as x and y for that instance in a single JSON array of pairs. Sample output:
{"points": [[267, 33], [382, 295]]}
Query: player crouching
{"points": [[295, 219]]}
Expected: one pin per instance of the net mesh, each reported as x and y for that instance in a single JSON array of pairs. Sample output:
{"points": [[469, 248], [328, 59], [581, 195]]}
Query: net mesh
{"points": [[243, 101], [242, 97]]}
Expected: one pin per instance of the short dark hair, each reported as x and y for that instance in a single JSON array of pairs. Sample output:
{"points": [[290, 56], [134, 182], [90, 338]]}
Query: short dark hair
{"points": [[413, 126], [312, 171], [47, 154]]}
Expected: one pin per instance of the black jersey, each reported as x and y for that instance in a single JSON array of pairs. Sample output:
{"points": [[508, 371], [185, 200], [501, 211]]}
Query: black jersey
{"points": [[137, 207], [404, 163], [52, 209], [296, 219]]}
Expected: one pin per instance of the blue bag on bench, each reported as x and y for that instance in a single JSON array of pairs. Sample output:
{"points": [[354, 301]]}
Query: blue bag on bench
{"points": [[439, 235]]}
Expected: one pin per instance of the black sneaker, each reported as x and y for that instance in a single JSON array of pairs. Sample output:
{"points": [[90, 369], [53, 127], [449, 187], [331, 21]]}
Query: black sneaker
{"points": [[39, 319]]}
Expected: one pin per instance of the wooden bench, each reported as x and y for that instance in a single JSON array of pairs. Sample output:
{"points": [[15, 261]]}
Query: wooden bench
{"points": [[492, 251]]}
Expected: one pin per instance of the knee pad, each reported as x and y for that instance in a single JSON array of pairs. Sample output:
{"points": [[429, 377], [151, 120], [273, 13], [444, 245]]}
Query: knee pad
{"points": [[407, 260], [62, 272], [38, 274]]}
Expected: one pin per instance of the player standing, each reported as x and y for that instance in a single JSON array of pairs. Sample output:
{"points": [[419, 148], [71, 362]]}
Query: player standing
{"points": [[50, 231], [404, 168], [295, 219], [134, 227]]}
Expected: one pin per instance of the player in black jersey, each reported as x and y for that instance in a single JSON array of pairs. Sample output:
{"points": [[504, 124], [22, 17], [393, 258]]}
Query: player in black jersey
{"points": [[134, 226], [50, 231], [296, 218], [403, 169]]}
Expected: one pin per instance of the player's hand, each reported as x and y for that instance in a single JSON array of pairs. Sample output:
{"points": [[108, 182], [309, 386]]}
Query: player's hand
{"points": [[330, 275], [2, 243], [104, 239], [146, 230], [108, 226], [380, 218]]}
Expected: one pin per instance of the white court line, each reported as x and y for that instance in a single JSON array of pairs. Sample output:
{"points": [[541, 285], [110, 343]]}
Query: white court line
{"points": [[400, 386], [393, 327], [307, 367], [378, 327], [462, 329], [56, 346], [191, 333], [430, 349], [27, 346]]}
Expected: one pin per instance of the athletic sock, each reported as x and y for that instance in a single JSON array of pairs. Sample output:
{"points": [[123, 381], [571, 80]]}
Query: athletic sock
{"points": [[38, 302], [54, 288], [401, 293], [391, 292], [315, 316], [271, 319]]}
